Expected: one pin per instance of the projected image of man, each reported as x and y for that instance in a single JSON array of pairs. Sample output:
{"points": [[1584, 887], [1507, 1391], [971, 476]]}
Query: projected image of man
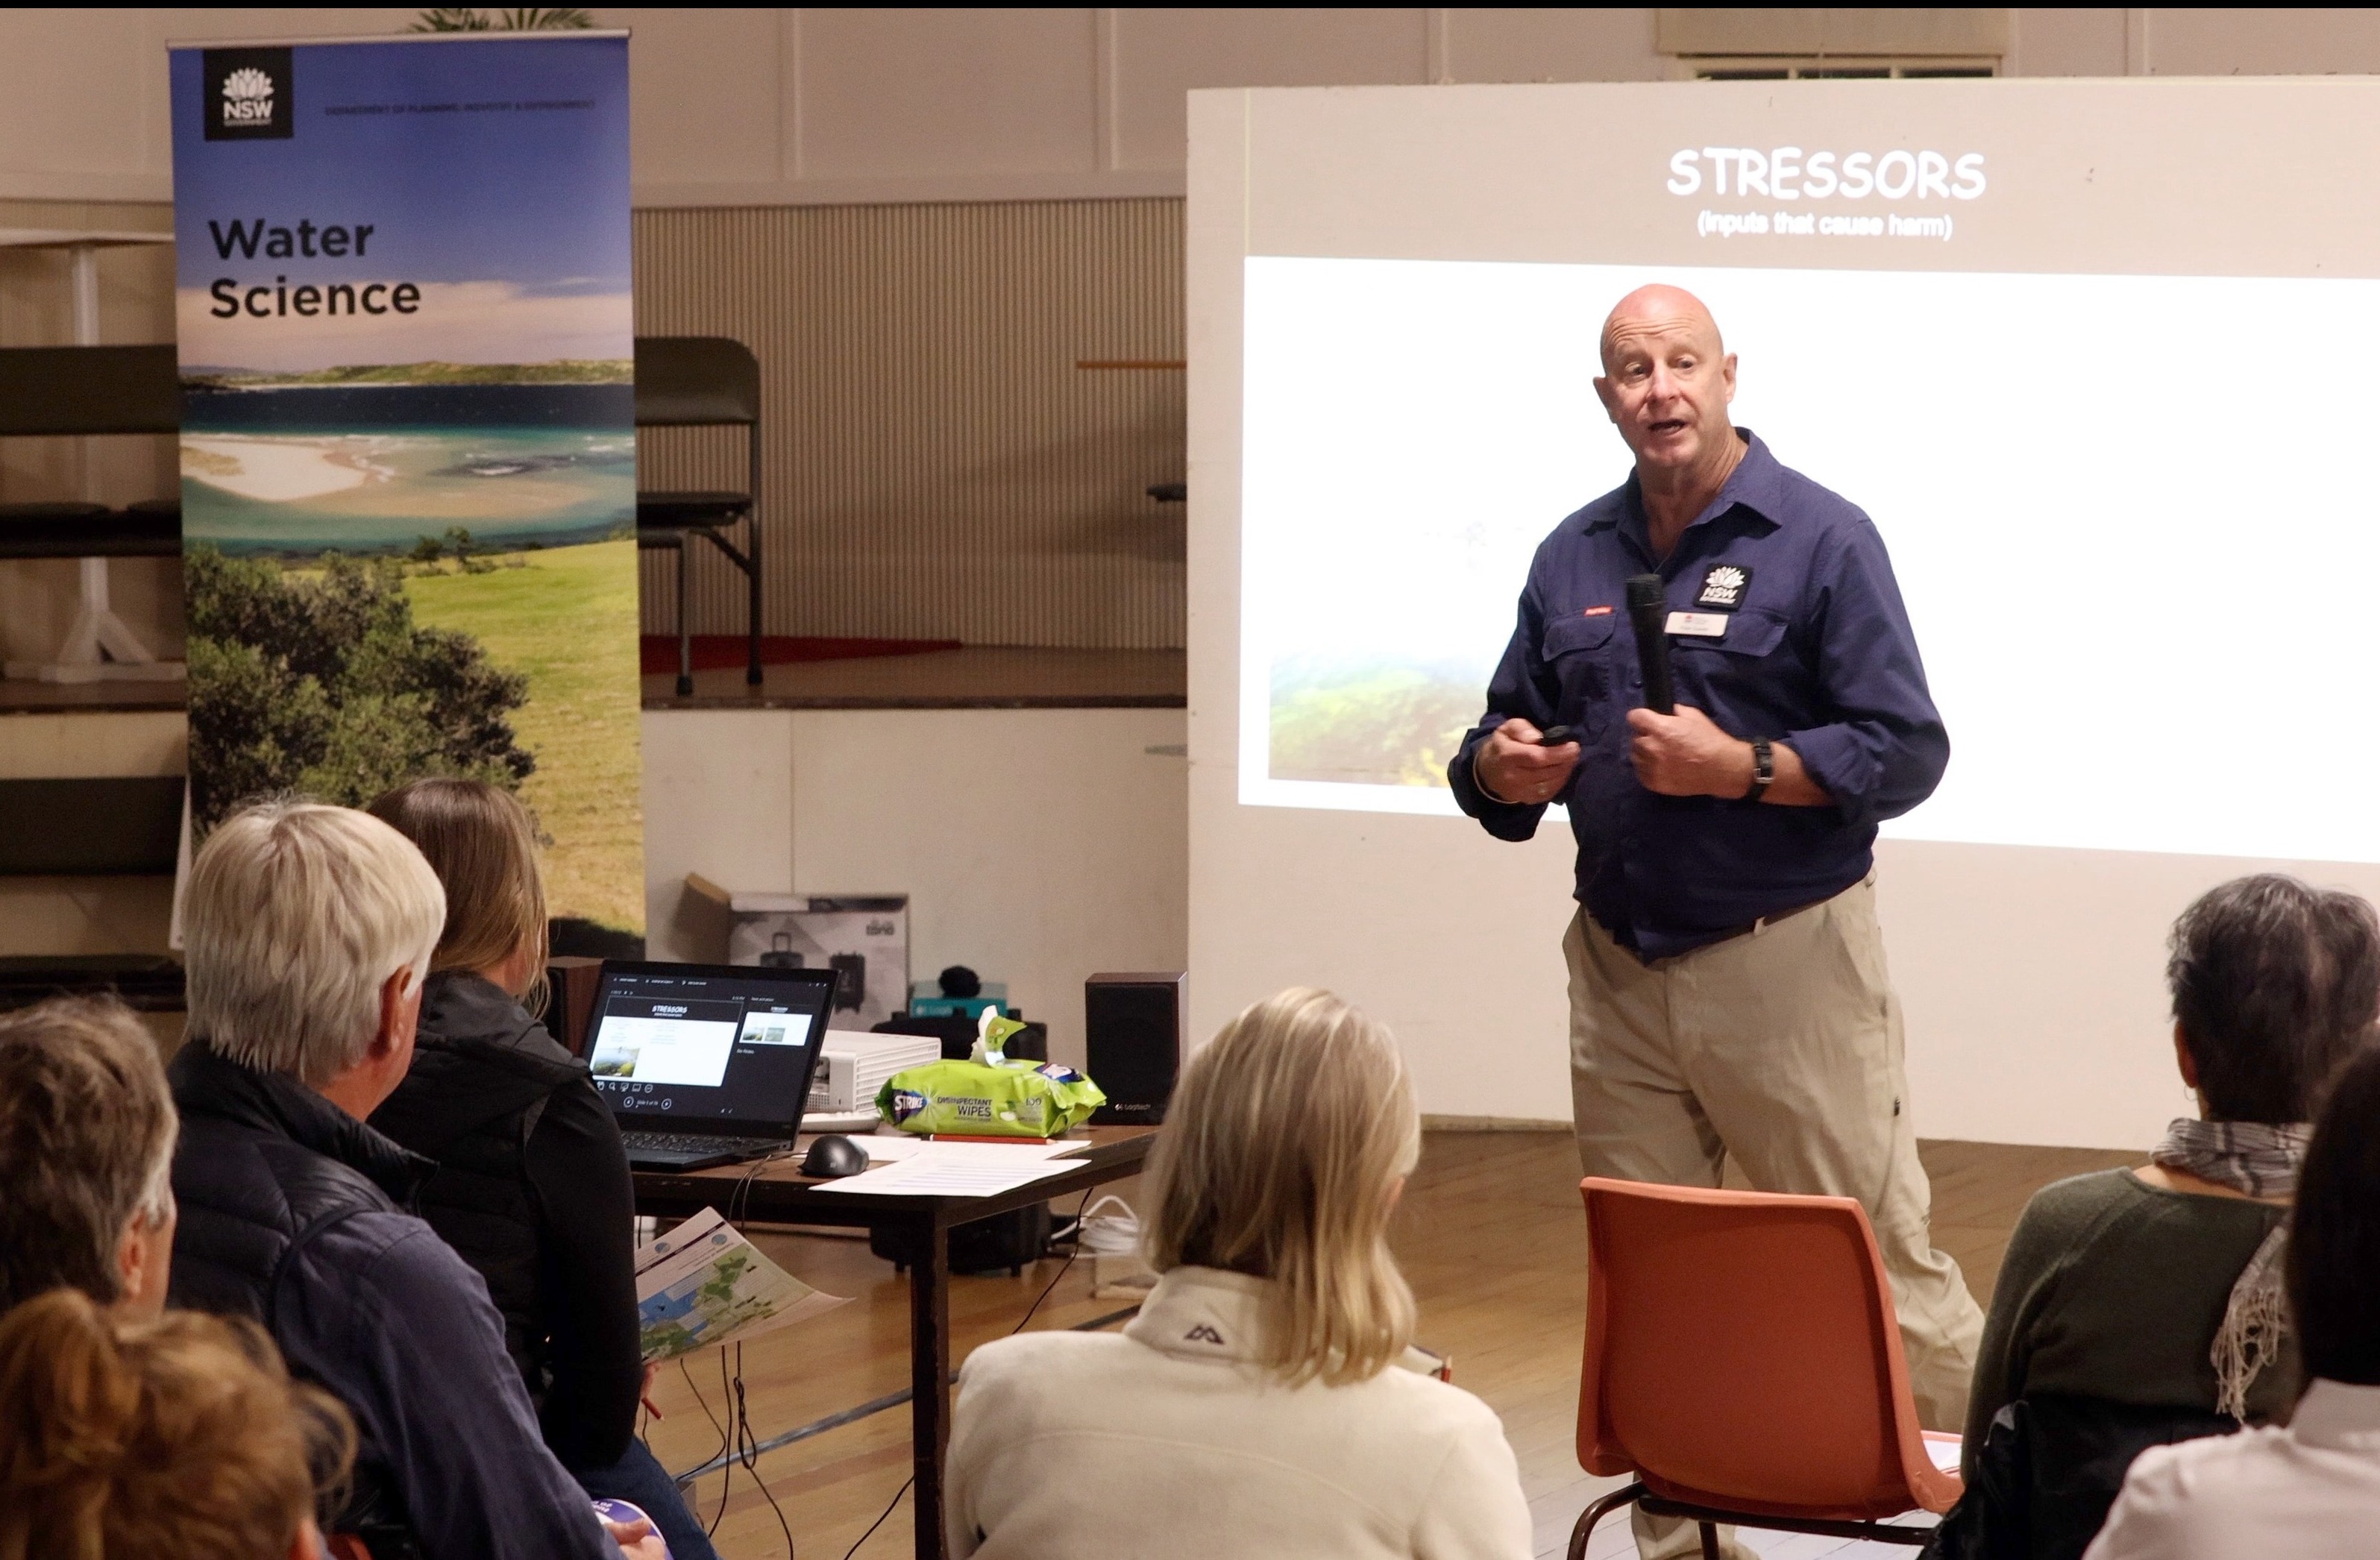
{"points": [[1727, 986]]}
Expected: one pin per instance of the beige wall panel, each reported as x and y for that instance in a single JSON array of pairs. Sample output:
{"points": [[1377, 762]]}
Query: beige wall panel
{"points": [[949, 91], [707, 92], [935, 465], [2066, 40], [2285, 40], [1544, 44], [68, 916], [83, 97], [1050, 844], [1161, 53], [68, 105], [92, 743], [719, 800]]}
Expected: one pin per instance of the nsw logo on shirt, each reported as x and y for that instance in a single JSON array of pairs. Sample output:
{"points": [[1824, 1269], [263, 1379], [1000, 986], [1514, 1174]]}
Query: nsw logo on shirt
{"points": [[1723, 587]]}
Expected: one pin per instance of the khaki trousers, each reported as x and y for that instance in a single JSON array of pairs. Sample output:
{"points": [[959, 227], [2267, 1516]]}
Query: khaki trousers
{"points": [[1781, 1049]]}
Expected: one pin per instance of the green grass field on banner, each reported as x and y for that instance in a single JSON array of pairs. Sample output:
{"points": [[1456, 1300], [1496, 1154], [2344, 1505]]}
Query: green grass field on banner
{"points": [[566, 617]]}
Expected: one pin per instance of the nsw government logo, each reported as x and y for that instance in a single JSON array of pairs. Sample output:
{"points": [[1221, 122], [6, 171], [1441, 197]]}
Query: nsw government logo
{"points": [[1723, 587], [248, 95]]}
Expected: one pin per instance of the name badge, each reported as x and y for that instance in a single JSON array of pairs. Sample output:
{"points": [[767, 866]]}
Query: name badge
{"points": [[1699, 625]]}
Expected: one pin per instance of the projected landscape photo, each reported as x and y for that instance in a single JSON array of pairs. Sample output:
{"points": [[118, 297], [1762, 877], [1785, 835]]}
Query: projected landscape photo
{"points": [[1371, 722]]}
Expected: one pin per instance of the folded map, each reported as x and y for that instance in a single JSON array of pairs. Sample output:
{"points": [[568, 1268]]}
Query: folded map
{"points": [[703, 1284]]}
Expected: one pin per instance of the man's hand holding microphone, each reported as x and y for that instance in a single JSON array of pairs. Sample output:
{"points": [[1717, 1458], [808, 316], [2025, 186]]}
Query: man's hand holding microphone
{"points": [[1680, 755], [1676, 749]]}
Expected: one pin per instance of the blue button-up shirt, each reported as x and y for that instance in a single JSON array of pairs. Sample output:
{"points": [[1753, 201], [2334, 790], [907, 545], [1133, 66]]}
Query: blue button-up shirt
{"points": [[1816, 654]]}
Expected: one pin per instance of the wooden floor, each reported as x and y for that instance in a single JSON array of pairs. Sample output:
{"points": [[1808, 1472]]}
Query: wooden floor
{"points": [[1490, 1234]]}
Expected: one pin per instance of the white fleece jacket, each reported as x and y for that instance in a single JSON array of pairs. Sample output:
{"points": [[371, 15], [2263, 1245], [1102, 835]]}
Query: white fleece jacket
{"points": [[1166, 1439]]}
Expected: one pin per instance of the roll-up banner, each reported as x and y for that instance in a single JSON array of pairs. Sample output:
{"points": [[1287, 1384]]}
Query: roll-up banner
{"points": [[408, 442]]}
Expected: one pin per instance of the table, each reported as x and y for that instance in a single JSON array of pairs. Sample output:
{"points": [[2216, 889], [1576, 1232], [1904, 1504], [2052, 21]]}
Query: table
{"points": [[780, 1193]]}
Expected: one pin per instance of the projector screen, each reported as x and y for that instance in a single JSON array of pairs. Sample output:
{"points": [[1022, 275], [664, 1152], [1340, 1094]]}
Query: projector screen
{"points": [[2095, 358]]}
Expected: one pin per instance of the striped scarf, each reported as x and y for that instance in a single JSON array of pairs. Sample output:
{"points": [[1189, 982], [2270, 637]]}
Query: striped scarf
{"points": [[2261, 1160]]}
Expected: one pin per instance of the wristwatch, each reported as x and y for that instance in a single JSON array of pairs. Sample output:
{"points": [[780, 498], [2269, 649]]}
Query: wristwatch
{"points": [[1763, 768]]}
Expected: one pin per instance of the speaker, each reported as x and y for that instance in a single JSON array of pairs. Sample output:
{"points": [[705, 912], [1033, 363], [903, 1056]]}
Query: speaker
{"points": [[957, 1036], [570, 983], [1132, 1044], [986, 1245]]}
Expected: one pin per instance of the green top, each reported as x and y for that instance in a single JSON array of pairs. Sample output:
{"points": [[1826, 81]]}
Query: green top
{"points": [[2114, 1289]]}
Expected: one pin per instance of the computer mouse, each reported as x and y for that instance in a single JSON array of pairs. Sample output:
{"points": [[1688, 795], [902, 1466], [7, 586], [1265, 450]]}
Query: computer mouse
{"points": [[833, 1156]]}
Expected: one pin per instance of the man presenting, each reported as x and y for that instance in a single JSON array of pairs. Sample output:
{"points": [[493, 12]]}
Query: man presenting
{"points": [[1727, 981]]}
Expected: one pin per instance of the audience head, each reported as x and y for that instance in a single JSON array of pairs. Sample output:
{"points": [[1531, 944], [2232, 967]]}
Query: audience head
{"points": [[178, 1438], [1284, 1148], [483, 844], [86, 1134], [2334, 1262], [2275, 983], [307, 931]]}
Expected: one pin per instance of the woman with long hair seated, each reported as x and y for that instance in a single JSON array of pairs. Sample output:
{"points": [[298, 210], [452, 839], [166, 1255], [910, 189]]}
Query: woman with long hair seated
{"points": [[532, 1187], [2141, 1307], [176, 1438], [1260, 1405], [2311, 1491]]}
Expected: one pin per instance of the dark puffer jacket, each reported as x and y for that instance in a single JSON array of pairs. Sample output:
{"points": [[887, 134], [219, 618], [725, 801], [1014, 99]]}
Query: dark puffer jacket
{"points": [[532, 1189], [290, 1215]]}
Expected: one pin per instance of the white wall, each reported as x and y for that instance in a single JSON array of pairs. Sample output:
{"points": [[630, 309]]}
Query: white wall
{"points": [[752, 106], [1038, 847]]}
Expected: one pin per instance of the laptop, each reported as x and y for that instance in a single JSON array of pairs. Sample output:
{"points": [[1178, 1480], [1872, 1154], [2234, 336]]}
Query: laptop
{"points": [[706, 1064]]}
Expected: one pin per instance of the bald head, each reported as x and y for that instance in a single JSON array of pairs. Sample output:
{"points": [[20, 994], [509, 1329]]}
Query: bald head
{"points": [[1666, 381], [1660, 309]]}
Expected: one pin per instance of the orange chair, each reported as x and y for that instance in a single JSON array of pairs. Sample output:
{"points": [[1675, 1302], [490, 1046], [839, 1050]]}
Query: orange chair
{"points": [[1743, 1361]]}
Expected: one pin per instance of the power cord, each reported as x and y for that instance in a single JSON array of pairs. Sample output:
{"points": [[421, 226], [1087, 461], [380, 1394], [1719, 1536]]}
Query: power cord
{"points": [[747, 1452], [737, 1432], [1063, 1269]]}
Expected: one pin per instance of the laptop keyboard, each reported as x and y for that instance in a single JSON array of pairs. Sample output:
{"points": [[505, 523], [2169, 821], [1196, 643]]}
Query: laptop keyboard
{"points": [[697, 1142]]}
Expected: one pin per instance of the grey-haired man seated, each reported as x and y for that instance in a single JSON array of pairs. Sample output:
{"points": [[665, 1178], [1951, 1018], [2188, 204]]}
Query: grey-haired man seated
{"points": [[307, 930]]}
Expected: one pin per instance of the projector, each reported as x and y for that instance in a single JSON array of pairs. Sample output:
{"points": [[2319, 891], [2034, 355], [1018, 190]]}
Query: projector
{"points": [[852, 1066]]}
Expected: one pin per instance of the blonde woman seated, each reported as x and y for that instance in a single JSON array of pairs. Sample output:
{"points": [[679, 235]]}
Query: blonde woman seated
{"points": [[173, 1438], [1256, 1406]]}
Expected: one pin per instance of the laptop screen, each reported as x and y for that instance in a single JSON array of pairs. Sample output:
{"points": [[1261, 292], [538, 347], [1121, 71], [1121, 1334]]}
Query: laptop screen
{"points": [[708, 1047]]}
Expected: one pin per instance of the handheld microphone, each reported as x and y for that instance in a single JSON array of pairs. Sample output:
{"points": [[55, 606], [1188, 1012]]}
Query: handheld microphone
{"points": [[1648, 611]]}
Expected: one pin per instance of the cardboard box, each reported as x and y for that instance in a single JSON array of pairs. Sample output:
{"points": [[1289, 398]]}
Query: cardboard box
{"points": [[863, 938]]}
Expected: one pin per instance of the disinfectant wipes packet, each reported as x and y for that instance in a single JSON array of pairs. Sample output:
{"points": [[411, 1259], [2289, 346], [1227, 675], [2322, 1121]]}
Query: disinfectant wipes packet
{"points": [[988, 1095]]}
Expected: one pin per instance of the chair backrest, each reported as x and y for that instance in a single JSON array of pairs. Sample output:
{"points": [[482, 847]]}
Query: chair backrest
{"points": [[694, 381], [68, 389], [1742, 1351]]}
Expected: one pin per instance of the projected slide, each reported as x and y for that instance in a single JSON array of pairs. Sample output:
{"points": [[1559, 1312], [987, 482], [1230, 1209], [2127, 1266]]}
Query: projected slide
{"points": [[2132, 542]]}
